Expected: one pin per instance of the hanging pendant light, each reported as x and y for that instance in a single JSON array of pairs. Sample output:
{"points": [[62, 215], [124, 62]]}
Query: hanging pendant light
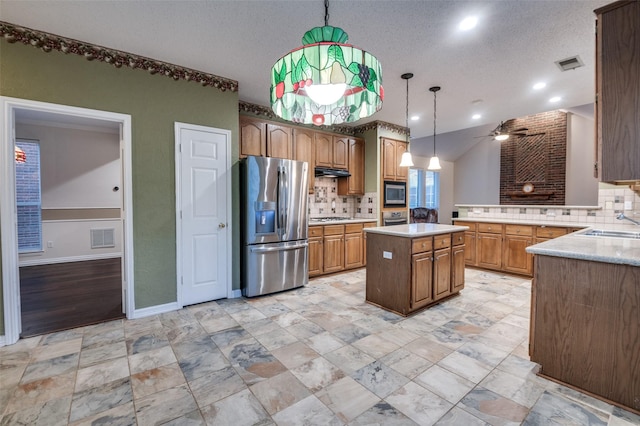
{"points": [[21, 156], [434, 162], [406, 160], [326, 81]]}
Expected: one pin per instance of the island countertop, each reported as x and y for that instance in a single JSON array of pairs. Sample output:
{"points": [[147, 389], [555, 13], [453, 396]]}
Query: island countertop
{"points": [[413, 230]]}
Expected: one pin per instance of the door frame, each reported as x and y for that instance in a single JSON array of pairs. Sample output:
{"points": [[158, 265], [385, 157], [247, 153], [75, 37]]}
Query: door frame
{"points": [[8, 210], [178, 126]]}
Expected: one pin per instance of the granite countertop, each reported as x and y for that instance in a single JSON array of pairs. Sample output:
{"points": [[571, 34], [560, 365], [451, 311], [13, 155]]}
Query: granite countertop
{"points": [[412, 230], [625, 251], [314, 222], [524, 222]]}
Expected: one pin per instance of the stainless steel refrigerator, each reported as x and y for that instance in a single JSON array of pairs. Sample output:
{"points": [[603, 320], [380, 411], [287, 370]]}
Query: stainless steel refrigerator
{"points": [[274, 231]]}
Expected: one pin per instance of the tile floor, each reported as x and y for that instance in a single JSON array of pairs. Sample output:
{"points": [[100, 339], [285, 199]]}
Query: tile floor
{"points": [[317, 355]]}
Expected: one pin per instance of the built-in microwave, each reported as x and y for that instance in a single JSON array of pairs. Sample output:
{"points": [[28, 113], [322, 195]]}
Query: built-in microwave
{"points": [[395, 194]]}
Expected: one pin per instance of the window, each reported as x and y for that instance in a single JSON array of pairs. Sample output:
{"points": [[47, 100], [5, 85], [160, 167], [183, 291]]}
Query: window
{"points": [[424, 188], [28, 200]]}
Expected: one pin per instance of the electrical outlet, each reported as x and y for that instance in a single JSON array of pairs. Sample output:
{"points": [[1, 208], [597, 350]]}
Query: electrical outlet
{"points": [[49, 244], [628, 205], [387, 255]]}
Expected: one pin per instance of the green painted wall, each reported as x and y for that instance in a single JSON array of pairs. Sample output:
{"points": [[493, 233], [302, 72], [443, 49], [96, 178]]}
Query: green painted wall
{"points": [[155, 102]]}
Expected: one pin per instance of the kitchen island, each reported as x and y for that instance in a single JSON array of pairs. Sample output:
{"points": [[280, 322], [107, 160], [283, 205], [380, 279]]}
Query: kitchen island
{"points": [[410, 267], [585, 313]]}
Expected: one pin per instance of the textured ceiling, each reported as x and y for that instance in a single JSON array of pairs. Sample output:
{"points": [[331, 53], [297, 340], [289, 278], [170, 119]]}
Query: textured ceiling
{"points": [[514, 45]]}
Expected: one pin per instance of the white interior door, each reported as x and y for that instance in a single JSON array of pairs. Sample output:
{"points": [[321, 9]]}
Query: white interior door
{"points": [[204, 242]]}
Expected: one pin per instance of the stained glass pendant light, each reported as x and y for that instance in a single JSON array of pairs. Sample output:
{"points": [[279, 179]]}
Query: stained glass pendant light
{"points": [[406, 160], [434, 162], [326, 81]]}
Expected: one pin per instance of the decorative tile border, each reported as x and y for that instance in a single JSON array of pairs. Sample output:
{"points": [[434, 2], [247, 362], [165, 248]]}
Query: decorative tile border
{"points": [[48, 42], [267, 113]]}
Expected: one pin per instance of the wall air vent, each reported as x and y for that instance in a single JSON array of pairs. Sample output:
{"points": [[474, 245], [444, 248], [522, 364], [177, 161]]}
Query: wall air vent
{"points": [[102, 238], [570, 63]]}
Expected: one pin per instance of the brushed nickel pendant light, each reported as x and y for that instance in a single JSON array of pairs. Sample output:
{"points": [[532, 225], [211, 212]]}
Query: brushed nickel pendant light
{"points": [[434, 162], [406, 160]]}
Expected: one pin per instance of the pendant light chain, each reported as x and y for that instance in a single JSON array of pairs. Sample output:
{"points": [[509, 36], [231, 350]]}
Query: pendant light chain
{"points": [[326, 13], [407, 113], [434, 122]]}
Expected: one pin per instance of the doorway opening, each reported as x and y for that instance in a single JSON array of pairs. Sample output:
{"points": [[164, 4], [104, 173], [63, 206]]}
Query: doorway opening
{"points": [[79, 268]]}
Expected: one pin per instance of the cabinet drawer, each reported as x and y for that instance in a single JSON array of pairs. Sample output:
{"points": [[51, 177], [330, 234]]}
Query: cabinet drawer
{"points": [[333, 229], [315, 231], [419, 245], [471, 225], [441, 241], [490, 228], [518, 230], [352, 228], [457, 238], [550, 231]]}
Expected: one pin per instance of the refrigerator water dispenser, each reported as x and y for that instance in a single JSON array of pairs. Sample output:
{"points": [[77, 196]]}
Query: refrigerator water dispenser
{"points": [[265, 221]]}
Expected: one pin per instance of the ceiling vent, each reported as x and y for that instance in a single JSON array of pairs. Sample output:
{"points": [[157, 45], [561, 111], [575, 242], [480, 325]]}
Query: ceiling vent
{"points": [[570, 63]]}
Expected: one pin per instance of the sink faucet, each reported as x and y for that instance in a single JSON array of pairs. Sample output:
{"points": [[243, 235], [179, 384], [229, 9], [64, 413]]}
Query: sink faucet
{"points": [[622, 216]]}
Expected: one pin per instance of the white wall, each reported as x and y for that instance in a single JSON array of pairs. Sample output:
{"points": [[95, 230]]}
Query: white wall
{"points": [[581, 186], [477, 174], [446, 187], [79, 168]]}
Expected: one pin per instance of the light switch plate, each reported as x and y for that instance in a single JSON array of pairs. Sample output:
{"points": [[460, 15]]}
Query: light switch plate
{"points": [[628, 205]]}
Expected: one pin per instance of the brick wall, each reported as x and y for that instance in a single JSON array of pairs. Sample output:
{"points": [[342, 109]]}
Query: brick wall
{"points": [[538, 158]]}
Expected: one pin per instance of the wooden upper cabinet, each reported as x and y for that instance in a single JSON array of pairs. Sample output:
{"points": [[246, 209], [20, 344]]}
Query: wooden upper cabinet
{"points": [[264, 139], [279, 141], [392, 151], [618, 92], [324, 149], [304, 150], [354, 184], [340, 152], [253, 137], [401, 172]]}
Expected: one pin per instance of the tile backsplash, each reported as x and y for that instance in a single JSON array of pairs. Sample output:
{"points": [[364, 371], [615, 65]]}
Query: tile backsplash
{"points": [[325, 201], [611, 201]]}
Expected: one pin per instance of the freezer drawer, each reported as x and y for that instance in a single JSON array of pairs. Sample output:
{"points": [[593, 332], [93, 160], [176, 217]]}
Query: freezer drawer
{"points": [[269, 268]]}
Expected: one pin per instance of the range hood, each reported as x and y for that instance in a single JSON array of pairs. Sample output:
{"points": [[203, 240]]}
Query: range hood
{"points": [[327, 172]]}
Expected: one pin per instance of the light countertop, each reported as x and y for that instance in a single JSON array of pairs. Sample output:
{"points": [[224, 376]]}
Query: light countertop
{"points": [[413, 230], [313, 222], [523, 222], [624, 251]]}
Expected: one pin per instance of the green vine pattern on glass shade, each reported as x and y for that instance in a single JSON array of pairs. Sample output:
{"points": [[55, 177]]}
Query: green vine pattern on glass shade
{"points": [[322, 62]]}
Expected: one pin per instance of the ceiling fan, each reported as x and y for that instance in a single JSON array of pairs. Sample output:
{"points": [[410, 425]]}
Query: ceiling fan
{"points": [[501, 134]]}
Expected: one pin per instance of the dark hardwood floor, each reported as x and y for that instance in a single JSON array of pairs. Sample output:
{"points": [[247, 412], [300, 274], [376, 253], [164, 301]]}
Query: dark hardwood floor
{"points": [[66, 295]]}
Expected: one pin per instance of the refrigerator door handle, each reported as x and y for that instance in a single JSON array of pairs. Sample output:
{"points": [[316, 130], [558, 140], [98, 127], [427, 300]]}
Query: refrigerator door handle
{"points": [[285, 206], [272, 249]]}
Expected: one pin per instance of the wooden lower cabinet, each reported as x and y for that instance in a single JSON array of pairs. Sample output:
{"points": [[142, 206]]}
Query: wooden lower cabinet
{"points": [[333, 248], [421, 279], [353, 246], [405, 274], [316, 252], [489, 250], [516, 259], [585, 326], [441, 273]]}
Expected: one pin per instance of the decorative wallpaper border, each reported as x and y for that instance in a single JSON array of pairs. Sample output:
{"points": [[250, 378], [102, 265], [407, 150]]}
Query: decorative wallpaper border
{"points": [[48, 42], [263, 111]]}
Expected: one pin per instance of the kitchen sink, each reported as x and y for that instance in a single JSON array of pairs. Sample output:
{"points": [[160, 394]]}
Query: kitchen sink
{"points": [[614, 234]]}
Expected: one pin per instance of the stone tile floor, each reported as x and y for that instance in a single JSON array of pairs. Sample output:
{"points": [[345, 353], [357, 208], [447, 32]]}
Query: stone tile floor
{"points": [[317, 355]]}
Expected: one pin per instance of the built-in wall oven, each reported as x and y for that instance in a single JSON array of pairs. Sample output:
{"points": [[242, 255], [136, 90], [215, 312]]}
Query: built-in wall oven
{"points": [[394, 218], [395, 194]]}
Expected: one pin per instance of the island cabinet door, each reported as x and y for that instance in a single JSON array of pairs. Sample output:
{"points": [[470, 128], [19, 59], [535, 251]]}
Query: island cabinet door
{"points": [[441, 274], [421, 279], [457, 268]]}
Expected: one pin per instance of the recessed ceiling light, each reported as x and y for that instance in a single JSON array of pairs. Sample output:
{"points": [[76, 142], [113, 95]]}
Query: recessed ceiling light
{"points": [[555, 99], [468, 23], [415, 117], [476, 116], [540, 85]]}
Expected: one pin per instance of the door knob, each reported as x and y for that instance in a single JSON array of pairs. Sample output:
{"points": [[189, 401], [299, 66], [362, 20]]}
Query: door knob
{"points": [[222, 225]]}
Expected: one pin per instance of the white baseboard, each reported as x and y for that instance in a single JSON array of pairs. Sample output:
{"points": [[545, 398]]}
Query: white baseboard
{"points": [[154, 310], [235, 294], [2, 341]]}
